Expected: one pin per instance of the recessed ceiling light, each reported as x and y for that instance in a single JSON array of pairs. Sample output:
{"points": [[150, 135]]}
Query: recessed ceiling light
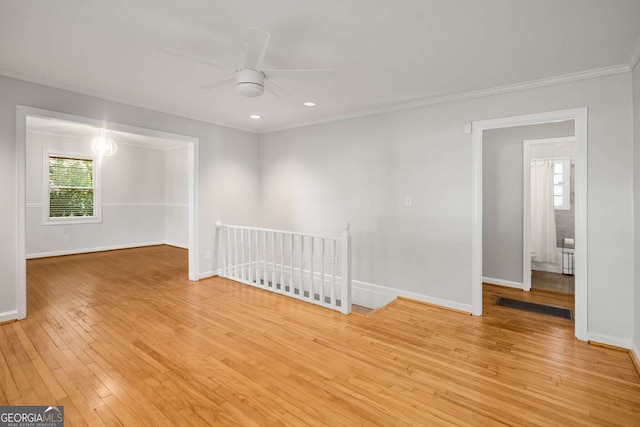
{"points": [[309, 104], [255, 116]]}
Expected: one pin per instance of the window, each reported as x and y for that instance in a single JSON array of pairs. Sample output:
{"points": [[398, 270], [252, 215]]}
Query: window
{"points": [[562, 184], [71, 189]]}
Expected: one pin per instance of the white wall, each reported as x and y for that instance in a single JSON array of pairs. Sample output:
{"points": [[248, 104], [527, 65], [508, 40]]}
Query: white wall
{"points": [[133, 199], [228, 180], [636, 194], [502, 202], [176, 201], [315, 177]]}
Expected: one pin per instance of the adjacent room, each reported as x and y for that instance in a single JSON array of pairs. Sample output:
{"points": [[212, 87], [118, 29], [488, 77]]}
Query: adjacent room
{"points": [[320, 213]]}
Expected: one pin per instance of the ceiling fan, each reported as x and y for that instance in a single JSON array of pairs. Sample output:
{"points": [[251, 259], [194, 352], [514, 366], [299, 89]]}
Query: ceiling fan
{"points": [[251, 80]]}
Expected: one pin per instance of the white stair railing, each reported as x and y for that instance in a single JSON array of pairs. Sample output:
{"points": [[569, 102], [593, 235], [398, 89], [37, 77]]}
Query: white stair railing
{"points": [[315, 269]]}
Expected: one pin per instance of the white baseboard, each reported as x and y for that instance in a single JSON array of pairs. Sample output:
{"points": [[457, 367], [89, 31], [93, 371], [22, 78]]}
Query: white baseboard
{"points": [[177, 245], [6, 316], [376, 296], [207, 274], [636, 352], [500, 282], [89, 250], [545, 266], [610, 340]]}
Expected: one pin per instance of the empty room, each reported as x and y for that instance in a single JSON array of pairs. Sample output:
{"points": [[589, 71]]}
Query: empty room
{"points": [[320, 213]]}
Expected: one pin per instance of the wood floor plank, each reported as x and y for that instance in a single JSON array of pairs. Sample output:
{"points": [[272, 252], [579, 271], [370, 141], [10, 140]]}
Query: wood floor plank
{"points": [[123, 338]]}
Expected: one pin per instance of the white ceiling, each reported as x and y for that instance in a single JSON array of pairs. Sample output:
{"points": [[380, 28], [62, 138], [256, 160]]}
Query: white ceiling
{"points": [[384, 52]]}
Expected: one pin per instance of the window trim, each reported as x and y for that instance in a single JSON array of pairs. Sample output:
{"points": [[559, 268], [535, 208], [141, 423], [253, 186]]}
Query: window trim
{"points": [[566, 183], [97, 193]]}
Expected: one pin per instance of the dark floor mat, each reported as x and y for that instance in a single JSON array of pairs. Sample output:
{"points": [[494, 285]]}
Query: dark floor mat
{"points": [[564, 313]]}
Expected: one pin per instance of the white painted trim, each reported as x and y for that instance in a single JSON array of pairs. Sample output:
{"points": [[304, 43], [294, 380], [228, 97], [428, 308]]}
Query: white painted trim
{"points": [[634, 349], [208, 274], [507, 283], [95, 249], [611, 340], [21, 206], [566, 78], [579, 115], [126, 205], [21, 116], [376, 296], [107, 97], [526, 201], [120, 143], [6, 316], [176, 245], [635, 55], [134, 205], [193, 155]]}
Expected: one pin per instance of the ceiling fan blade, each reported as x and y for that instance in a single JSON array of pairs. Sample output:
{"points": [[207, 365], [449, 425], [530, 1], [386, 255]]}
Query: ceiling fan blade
{"points": [[215, 85], [257, 41], [275, 89], [298, 74], [192, 57]]}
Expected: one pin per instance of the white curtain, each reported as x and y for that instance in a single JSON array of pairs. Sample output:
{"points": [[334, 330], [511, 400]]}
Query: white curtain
{"points": [[543, 215]]}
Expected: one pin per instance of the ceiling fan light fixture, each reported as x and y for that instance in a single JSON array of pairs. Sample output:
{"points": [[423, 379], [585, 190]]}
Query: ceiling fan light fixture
{"points": [[249, 82], [104, 146]]}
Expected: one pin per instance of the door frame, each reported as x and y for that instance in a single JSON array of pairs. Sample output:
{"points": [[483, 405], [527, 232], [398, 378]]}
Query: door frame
{"points": [[193, 143], [580, 117]]}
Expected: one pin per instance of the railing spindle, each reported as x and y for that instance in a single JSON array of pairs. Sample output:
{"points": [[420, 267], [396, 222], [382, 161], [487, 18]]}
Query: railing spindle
{"points": [[291, 279], [322, 271], [250, 278], [282, 262], [312, 293], [242, 266], [229, 271], [265, 278], [273, 262], [301, 266], [334, 262]]}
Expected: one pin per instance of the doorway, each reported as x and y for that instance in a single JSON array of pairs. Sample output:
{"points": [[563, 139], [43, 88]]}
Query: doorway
{"points": [[190, 144], [579, 116], [549, 214]]}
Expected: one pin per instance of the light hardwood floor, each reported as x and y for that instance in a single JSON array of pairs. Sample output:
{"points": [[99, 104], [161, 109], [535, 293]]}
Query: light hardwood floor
{"points": [[123, 338]]}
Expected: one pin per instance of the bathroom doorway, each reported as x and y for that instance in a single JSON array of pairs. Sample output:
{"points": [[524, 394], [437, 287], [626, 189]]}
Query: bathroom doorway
{"points": [[549, 187]]}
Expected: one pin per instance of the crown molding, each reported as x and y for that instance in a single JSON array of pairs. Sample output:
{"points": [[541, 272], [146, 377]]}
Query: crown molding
{"points": [[83, 91], [550, 81]]}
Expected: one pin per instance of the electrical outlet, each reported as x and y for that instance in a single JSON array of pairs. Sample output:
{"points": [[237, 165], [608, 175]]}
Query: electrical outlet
{"points": [[207, 255], [67, 238]]}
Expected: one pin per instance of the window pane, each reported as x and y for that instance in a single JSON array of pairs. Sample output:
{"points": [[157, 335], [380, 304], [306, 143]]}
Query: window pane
{"points": [[70, 202], [70, 187], [557, 201], [67, 172], [557, 179], [557, 167], [558, 190]]}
